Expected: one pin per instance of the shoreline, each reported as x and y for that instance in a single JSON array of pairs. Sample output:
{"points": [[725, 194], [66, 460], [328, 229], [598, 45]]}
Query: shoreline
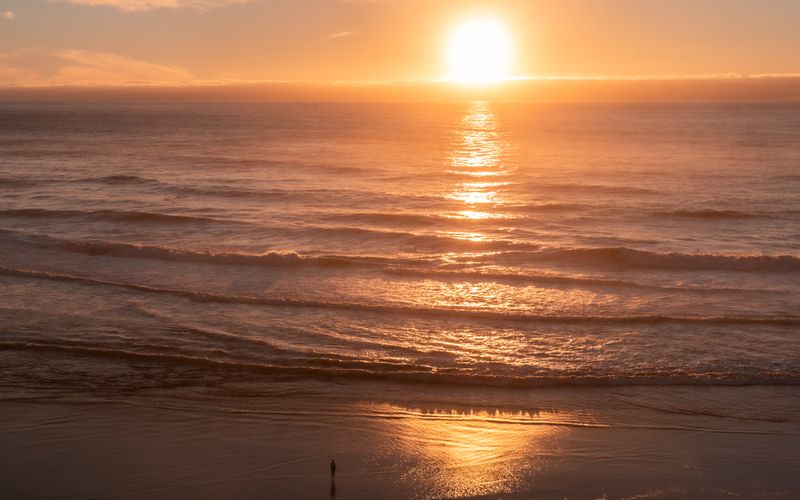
{"points": [[277, 442]]}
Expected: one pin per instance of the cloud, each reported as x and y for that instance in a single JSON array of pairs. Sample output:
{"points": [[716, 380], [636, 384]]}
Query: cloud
{"points": [[7, 14], [40, 67], [341, 34], [140, 5]]}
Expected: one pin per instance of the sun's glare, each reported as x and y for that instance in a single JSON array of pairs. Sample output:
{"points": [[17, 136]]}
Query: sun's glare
{"points": [[479, 52]]}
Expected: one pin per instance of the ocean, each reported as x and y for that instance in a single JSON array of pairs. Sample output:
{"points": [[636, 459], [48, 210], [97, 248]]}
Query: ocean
{"points": [[547, 266]]}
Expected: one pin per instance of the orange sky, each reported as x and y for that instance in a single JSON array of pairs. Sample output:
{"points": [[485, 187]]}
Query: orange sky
{"points": [[244, 44]]}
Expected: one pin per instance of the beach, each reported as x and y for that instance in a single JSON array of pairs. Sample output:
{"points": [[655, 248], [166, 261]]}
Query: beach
{"points": [[477, 300], [276, 441]]}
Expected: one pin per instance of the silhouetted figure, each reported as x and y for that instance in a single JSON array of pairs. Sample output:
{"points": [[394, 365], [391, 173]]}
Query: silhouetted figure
{"points": [[333, 468]]}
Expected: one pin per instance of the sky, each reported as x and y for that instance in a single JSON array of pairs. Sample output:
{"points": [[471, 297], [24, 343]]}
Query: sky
{"points": [[234, 43]]}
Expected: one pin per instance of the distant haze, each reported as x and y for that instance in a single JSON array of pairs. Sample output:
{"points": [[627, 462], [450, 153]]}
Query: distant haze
{"points": [[765, 88], [228, 49]]}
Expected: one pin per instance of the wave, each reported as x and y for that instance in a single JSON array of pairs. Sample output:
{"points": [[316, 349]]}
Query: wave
{"points": [[712, 214], [358, 236], [678, 213], [399, 219], [493, 251], [307, 197], [223, 191], [105, 215], [238, 190], [155, 252], [444, 242], [108, 179], [172, 254], [511, 277], [187, 189], [556, 279], [17, 182], [324, 368], [788, 177], [393, 219], [119, 179], [592, 188], [261, 164], [629, 258], [413, 310], [547, 207], [220, 190]]}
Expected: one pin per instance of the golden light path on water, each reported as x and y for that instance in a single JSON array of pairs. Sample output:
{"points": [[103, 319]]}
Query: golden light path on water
{"points": [[472, 452], [480, 155], [478, 152], [466, 453]]}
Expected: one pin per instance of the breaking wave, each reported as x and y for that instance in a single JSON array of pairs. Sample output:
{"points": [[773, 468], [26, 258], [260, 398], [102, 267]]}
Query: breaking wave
{"points": [[325, 368], [629, 258], [104, 215], [413, 310], [119, 179], [485, 252]]}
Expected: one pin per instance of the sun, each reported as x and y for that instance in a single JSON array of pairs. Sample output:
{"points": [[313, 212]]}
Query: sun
{"points": [[479, 52]]}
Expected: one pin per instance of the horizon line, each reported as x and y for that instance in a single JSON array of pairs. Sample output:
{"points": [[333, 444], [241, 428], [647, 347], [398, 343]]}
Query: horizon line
{"points": [[733, 76], [784, 87]]}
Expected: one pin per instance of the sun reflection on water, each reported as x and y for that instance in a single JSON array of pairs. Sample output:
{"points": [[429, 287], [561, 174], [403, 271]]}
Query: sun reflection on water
{"points": [[468, 235], [478, 145], [477, 215], [469, 452], [478, 151], [475, 197]]}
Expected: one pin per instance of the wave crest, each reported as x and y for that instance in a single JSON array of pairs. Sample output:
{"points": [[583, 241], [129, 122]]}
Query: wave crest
{"points": [[712, 214], [412, 310], [408, 373], [629, 258], [104, 215]]}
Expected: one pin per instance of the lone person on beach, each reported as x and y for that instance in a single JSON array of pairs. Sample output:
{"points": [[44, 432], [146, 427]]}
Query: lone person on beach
{"points": [[333, 467]]}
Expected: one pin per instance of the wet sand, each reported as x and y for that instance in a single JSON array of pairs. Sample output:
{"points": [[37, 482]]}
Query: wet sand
{"points": [[195, 445]]}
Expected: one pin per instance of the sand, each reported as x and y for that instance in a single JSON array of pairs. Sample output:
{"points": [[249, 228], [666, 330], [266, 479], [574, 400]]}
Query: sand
{"points": [[190, 444]]}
